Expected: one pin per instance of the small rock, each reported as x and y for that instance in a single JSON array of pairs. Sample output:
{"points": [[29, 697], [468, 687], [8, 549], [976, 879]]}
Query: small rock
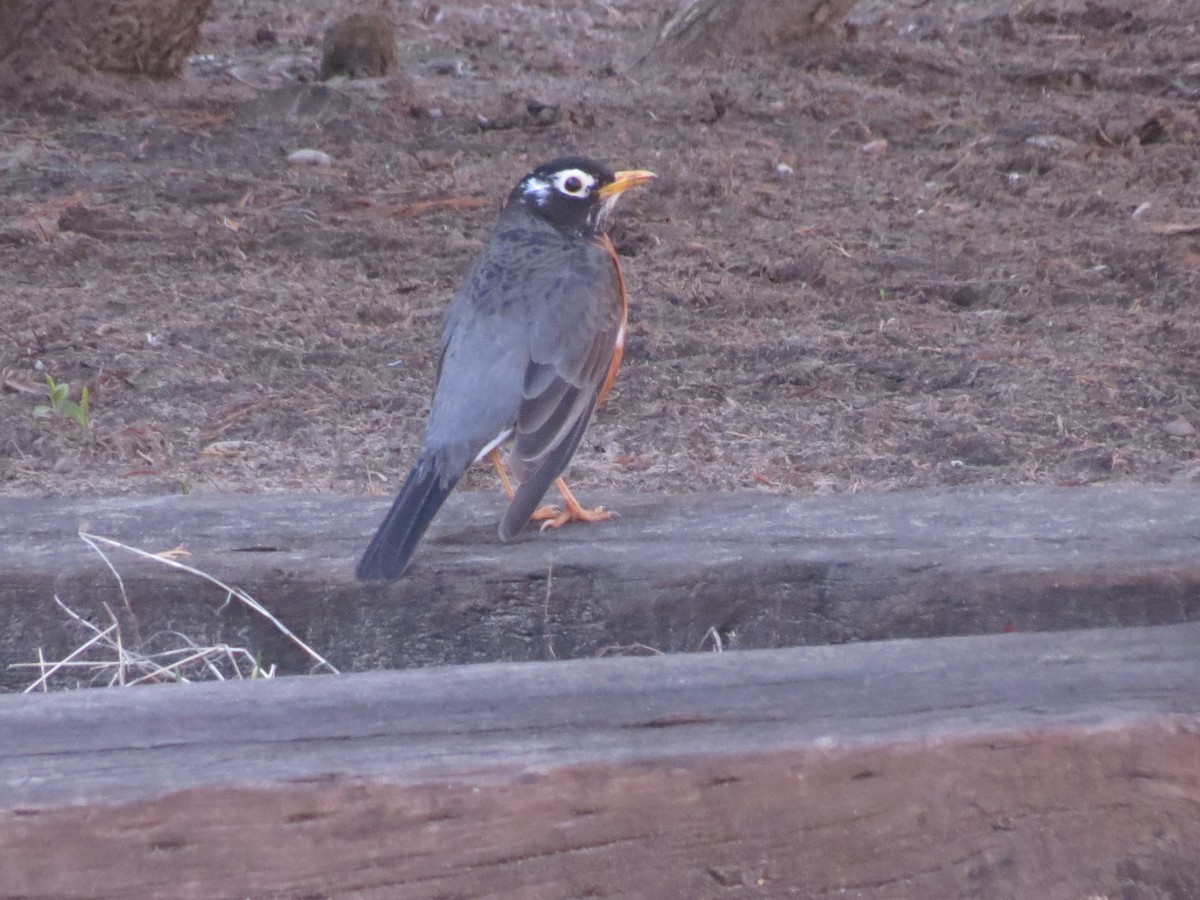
{"points": [[875, 148], [1054, 142], [1180, 428], [66, 463], [803, 267], [310, 157], [456, 68]]}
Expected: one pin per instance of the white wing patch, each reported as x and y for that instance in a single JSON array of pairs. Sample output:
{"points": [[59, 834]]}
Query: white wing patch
{"points": [[494, 443]]}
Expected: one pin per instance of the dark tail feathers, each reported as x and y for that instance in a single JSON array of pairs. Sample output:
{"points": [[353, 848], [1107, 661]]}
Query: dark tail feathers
{"points": [[422, 496]]}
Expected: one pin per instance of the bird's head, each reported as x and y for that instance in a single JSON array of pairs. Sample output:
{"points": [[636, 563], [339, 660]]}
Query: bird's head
{"points": [[574, 194]]}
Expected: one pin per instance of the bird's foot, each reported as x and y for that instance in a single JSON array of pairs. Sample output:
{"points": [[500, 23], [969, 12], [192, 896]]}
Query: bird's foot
{"points": [[547, 513], [553, 517]]}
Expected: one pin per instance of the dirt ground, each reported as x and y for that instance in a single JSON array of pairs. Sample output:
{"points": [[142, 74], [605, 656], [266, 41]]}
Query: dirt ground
{"points": [[960, 244]]}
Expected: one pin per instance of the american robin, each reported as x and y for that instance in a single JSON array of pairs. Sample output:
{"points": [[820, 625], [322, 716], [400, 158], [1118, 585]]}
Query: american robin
{"points": [[531, 346]]}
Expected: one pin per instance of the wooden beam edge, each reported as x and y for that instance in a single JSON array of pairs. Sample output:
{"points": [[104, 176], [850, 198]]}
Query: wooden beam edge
{"points": [[492, 722], [754, 570], [1047, 765]]}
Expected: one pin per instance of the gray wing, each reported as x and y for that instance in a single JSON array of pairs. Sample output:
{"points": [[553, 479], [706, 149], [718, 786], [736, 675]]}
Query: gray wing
{"points": [[571, 340], [482, 367], [527, 344]]}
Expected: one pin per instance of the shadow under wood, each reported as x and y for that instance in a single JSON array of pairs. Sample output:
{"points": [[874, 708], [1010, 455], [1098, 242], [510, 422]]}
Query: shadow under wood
{"points": [[672, 574]]}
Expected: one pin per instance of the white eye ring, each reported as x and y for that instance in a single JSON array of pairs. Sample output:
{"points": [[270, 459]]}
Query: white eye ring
{"points": [[574, 182]]}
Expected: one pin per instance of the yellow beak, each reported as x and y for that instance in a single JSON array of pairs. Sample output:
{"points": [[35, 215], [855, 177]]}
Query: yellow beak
{"points": [[624, 181]]}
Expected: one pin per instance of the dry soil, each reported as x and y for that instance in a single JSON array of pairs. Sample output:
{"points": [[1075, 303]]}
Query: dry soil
{"points": [[959, 243]]}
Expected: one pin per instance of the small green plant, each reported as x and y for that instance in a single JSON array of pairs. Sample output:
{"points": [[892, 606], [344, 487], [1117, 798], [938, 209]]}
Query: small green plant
{"points": [[61, 404]]}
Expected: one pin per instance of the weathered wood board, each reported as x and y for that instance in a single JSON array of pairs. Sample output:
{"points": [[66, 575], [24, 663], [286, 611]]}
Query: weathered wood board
{"points": [[1058, 765], [763, 571]]}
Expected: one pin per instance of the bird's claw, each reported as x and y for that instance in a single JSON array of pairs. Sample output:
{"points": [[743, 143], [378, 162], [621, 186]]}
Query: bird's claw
{"points": [[553, 517]]}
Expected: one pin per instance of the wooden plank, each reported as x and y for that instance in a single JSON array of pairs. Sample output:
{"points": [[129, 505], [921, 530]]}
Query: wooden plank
{"points": [[763, 571], [1038, 765]]}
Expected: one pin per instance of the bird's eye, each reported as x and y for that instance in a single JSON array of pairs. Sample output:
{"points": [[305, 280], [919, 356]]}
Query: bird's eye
{"points": [[573, 182]]}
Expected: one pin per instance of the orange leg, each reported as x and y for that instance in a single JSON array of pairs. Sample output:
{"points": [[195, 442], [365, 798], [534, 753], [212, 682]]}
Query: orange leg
{"points": [[552, 516], [573, 511], [541, 514], [502, 471]]}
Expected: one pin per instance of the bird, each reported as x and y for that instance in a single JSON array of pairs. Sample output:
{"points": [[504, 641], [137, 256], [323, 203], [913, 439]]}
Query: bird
{"points": [[531, 345]]}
